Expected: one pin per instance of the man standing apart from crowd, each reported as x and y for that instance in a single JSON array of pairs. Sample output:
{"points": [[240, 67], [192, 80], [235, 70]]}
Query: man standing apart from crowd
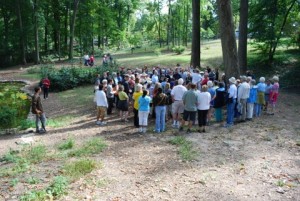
{"points": [[46, 86], [190, 101], [102, 105], [177, 106], [37, 109], [243, 95]]}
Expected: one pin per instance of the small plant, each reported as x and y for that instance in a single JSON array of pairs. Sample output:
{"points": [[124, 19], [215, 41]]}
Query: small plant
{"points": [[58, 187], [69, 144], [11, 156], [185, 148], [93, 146], [32, 180], [35, 195], [24, 124], [35, 154], [14, 182], [280, 183], [178, 49], [79, 168]]}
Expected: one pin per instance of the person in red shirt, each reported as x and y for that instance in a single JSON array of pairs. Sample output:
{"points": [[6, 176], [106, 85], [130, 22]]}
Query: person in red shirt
{"points": [[205, 79], [46, 86], [92, 60]]}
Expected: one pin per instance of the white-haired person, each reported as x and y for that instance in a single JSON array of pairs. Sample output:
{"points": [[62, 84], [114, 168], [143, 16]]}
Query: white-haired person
{"points": [[242, 96], [177, 106], [251, 100], [269, 86], [261, 89], [274, 92], [232, 95], [203, 106], [144, 109]]}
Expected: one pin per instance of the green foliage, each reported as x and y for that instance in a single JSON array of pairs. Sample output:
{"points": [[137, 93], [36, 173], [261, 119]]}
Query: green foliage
{"points": [[26, 123], [11, 156], [93, 146], [14, 182], [60, 121], [68, 144], [35, 154], [157, 52], [186, 150], [58, 187], [35, 195], [178, 49], [77, 169], [14, 105], [32, 180]]}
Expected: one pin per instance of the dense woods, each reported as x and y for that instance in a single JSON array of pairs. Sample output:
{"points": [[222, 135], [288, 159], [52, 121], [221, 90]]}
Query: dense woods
{"points": [[39, 30]]}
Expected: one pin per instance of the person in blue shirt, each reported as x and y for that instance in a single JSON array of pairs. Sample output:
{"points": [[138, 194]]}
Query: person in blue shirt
{"points": [[144, 109], [251, 100]]}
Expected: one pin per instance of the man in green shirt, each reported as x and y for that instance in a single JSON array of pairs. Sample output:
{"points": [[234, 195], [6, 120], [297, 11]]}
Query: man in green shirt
{"points": [[190, 107]]}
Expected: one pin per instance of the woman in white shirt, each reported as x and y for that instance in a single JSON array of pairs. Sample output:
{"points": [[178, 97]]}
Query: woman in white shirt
{"points": [[204, 99]]}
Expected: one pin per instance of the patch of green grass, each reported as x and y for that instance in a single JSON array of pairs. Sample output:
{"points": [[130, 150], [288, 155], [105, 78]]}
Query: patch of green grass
{"points": [[14, 182], [31, 76], [280, 183], [35, 154], [58, 187], [32, 180], [24, 124], [92, 146], [60, 121], [186, 150], [35, 195], [68, 144], [77, 169], [77, 98]]}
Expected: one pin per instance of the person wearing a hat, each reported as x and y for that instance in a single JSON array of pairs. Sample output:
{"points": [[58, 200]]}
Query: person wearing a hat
{"points": [[243, 95], [232, 95]]}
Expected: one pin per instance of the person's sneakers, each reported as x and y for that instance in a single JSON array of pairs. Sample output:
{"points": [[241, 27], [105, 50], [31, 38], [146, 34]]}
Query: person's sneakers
{"points": [[103, 122], [41, 131], [98, 123], [141, 129]]}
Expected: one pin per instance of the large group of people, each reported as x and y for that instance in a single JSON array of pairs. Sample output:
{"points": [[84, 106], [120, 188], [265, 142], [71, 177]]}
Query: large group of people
{"points": [[183, 94]]}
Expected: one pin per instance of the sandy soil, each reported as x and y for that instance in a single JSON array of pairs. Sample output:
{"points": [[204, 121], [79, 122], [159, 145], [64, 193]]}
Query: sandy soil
{"points": [[246, 162]]}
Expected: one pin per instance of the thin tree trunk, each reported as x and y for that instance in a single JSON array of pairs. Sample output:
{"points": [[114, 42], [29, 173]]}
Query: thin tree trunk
{"points": [[243, 32], [169, 25], [22, 36], [36, 33], [195, 60], [272, 51], [72, 28], [186, 25], [228, 39], [66, 28]]}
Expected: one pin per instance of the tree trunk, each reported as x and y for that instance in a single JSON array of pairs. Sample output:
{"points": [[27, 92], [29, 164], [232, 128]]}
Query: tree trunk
{"points": [[36, 33], [273, 49], [195, 60], [186, 25], [169, 25], [22, 36], [228, 41], [243, 32], [56, 31], [72, 28]]}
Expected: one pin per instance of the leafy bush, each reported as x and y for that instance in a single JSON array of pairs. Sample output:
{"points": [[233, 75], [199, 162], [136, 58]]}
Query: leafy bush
{"points": [[58, 186], [178, 49], [8, 117], [35, 195], [24, 124]]}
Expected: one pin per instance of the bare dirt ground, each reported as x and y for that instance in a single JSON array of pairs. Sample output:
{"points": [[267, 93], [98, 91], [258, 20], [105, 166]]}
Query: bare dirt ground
{"points": [[257, 160]]}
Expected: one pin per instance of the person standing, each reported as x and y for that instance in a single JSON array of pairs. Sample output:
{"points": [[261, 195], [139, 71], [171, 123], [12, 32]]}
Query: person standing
{"points": [[219, 101], [190, 101], [261, 89], [243, 95], [46, 86], [251, 100], [177, 106], [110, 93], [159, 102], [144, 109], [102, 105], [86, 59], [204, 99], [136, 95], [231, 101], [123, 104], [37, 109], [274, 92]]}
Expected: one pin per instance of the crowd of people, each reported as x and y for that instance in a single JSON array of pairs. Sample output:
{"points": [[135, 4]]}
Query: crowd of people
{"points": [[185, 95]]}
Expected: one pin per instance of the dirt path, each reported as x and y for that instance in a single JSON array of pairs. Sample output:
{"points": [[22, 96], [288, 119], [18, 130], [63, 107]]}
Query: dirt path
{"points": [[248, 162]]}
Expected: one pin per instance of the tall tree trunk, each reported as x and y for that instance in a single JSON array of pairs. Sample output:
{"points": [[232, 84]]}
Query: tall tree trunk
{"points": [[195, 60], [228, 41], [5, 38], [273, 49], [72, 28], [56, 16], [243, 32], [66, 28], [169, 24], [186, 24], [36, 33], [22, 35]]}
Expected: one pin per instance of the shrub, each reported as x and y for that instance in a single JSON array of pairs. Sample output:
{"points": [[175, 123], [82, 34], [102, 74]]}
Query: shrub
{"points": [[178, 49], [157, 52], [8, 117], [58, 186], [69, 144]]}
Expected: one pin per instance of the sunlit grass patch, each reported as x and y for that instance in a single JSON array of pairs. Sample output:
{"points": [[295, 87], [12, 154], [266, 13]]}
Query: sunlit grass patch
{"points": [[92, 146], [186, 150], [79, 168]]}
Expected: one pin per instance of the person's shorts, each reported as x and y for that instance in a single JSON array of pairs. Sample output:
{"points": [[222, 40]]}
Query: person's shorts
{"points": [[177, 107], [189, 115], [101, 110], [123, 105]]}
